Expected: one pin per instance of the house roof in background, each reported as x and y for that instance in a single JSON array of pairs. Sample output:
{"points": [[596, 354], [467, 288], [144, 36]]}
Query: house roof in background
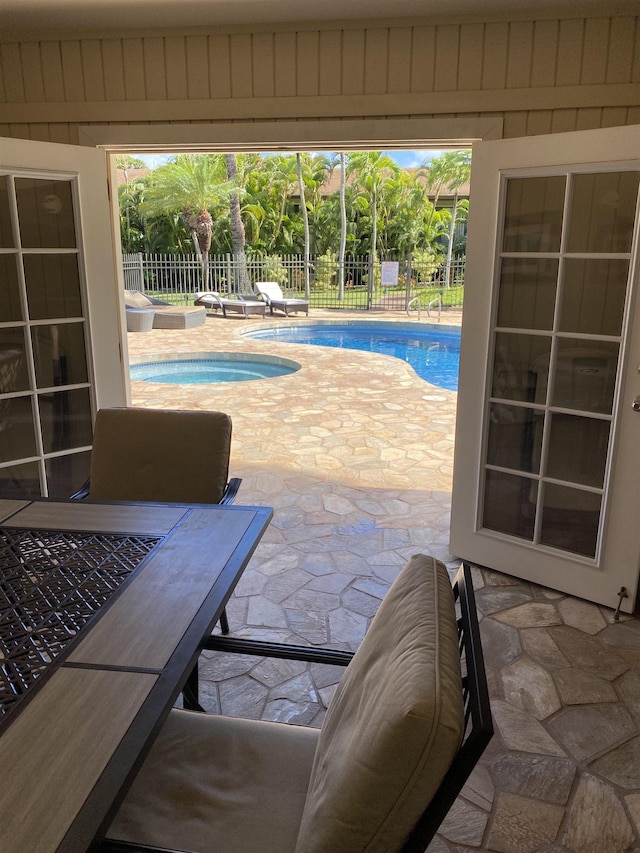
{"points": [[121, 15]]}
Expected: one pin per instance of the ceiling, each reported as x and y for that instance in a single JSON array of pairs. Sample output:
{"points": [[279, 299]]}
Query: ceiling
{"points": [[17, 16]]}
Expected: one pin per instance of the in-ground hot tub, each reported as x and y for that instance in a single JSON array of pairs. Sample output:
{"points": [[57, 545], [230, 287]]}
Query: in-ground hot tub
{"points": [[206, 368]]}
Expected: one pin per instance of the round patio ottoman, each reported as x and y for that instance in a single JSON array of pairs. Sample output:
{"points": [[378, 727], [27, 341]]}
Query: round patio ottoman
{"points": [[140, 319]]}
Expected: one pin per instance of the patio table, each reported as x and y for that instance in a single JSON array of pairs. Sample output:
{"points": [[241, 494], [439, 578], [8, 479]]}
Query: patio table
{"points": [[102, 610]]}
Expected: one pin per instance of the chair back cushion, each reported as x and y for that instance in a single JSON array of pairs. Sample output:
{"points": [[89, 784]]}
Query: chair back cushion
{"points": [[158, 455], [270, 289], [135, 299], [394, 724]]}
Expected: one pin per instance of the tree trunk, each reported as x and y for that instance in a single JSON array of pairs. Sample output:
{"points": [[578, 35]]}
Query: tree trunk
{"points": [[305, 219], [241, 283], [452, 231]]}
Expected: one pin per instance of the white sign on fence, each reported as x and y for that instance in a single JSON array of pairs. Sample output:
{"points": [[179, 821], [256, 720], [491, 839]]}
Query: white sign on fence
{"points": [[389, 273]]}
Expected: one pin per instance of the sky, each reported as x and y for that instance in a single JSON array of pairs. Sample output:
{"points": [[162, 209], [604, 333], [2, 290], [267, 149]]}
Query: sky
{"points": [[406, 159]]}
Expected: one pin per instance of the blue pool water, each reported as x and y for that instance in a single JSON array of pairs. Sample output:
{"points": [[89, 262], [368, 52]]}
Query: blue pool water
{"points": [[432, 351], [216, 367]]}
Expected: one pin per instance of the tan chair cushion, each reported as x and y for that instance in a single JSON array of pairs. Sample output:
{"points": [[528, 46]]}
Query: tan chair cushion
{"points": [[394, 725], [220, 785], [156, 455], [135, 299]]}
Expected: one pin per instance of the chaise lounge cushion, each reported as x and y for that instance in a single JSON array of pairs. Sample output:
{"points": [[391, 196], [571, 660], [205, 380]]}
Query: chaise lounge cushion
{"points": [[166, 316], [394, 724]]}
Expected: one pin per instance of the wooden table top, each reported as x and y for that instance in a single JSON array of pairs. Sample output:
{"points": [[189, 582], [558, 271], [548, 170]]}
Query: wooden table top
{"points": [[71, 745]]}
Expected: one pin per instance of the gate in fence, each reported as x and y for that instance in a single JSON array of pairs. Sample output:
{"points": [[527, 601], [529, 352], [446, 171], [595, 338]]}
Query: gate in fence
{"points": [[363, 283]]}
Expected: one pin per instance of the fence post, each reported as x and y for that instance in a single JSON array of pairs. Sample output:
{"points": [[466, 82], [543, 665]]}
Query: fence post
{"points": [[141, 268], [370, 283], [229, 273]]}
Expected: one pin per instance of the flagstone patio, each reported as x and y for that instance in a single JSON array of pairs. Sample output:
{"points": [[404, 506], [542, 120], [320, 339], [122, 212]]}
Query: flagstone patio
{"points": [[354, 453]]}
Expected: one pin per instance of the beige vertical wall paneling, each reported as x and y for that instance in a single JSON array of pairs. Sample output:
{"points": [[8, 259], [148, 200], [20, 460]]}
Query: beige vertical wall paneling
{"points": [[155, 75], [176, 60], [52, 65], [12, 74], [423, 59], [588, 118], [219, 67], [284, 62], [494, 64], [112, 59], [376, 61], [92, 69], [519, 55], [133, 66], [447, 58], [570, 41], [241, 65], [262, 50], [72, 76], [624, 41], [307, 64], [197, 67], [545, 53], [331, 61], [595, 51], [399, 75], [34, 79], [470, 64], [353, 50]]}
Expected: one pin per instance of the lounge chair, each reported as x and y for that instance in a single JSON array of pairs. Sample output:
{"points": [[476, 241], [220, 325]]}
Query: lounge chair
{"points": [[241, 305], [272, 294], [165, 315]]}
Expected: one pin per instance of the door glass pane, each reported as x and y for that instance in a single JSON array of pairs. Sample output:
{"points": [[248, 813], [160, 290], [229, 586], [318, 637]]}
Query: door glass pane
{"points": [[66, 419], [509, 504], [17, 434], [521, 362], [59, 354], [10, 308], [6, 228], [533, 214], [603, 207], [20, 481], [593, 295], [527, 292], [13, 362], [45, 214], [53, 286], [65, 474], [577, 449], [570, 519], [514, 439], [585, 375]]}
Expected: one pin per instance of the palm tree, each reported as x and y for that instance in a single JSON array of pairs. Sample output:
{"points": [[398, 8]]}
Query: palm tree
{"points": [[370, 170], [451, 170], [242, 284], [343, 226], [192, 184], [305, 219]]}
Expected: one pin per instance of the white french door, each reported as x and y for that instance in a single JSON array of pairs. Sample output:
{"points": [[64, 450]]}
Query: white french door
{"points": [[547, 461], [59, 314]]}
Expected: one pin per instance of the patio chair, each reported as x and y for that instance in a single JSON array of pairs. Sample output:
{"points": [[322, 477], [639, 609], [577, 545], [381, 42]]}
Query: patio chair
{"points": [[165, 315], [160, 455], [240, 305], [272, 294], [400, 738]]}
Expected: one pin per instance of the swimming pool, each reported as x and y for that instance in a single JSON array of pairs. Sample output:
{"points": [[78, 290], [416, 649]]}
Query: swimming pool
{"points": [[432, 351], [212, 367]]}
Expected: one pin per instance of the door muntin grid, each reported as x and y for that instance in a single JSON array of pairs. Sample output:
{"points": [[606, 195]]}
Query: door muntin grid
{"points": [[562, 286], [45, 384]]}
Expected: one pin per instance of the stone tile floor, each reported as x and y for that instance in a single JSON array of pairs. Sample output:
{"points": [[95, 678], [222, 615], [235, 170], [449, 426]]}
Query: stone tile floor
{"points": [[354, 452]]}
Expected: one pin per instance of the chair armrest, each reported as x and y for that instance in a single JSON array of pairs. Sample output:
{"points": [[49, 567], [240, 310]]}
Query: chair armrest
{"points": [[82, 493], [230, 491], [241, 646]]}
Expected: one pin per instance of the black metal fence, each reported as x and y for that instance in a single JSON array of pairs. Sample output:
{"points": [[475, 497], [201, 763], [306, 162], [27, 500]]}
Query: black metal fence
{"points": [[400, 283]]}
